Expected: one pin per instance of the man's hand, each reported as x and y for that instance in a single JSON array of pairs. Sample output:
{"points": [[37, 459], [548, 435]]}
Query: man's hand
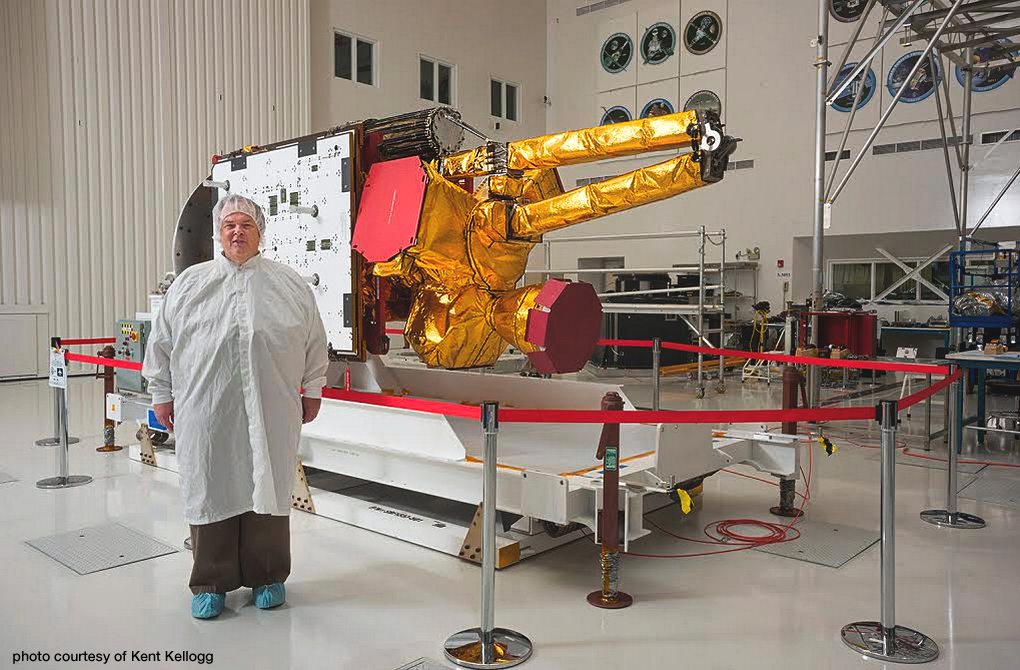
{"points": [[164, 412], [309, 408]]}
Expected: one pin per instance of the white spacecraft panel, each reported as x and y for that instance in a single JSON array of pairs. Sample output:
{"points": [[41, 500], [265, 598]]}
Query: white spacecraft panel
{"points": [[315, 172]]}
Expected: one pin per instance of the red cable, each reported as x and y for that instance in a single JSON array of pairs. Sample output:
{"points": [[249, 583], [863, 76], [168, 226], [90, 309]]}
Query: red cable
{"points": [[777, 533]]}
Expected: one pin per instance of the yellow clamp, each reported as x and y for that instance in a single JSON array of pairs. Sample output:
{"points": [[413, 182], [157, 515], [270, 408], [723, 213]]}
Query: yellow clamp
{"points": [[830, 448], [685, 501]]}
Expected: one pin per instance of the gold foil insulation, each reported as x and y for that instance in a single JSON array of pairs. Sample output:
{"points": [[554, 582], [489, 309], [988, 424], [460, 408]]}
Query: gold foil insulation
{"points": [[656, 133], [650, 184], [592, 144], [471, 163], [472, 249], [533, 186]]}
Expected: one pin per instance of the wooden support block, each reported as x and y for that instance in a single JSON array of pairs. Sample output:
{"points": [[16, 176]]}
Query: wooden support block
{"points": [[300, 496], [471, 549], [145, 441]]}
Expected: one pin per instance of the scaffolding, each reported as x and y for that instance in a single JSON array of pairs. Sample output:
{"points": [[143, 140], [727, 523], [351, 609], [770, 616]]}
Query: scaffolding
{"points": [[694, 314], [953, 30]]}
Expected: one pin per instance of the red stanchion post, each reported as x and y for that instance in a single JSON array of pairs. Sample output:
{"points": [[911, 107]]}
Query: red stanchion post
{"points": [[610, 597], [109, 425], [793, 381]]}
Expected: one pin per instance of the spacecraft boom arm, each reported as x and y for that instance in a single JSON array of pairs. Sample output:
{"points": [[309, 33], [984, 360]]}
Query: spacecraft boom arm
{"points": [[574, 147], [640, 187]]}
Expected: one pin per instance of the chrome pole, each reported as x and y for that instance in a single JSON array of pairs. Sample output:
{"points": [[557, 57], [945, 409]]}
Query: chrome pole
{"points": [[883, 639], [951, 517], [63, 480], [489, 425], [488, 646], [55, 440], [888, 495], [817, 245]]}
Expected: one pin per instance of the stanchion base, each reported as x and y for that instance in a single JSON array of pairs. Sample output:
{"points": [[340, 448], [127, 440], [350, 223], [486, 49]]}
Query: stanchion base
{"points": [[898, 645], [788, 512], [618, 603], [63, 482], [107, 449], [54, 442], [943, 519], [509, 648]]}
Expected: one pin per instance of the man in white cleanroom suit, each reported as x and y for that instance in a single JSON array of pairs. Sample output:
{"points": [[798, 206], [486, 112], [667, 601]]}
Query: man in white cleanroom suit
{"points": [[235, 341]]}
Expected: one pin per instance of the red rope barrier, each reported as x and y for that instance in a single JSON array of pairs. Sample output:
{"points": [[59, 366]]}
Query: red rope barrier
{"points": [[414, 404], [783, 358], [924, 394], [112, 362], [88, 340], [510, 415]]}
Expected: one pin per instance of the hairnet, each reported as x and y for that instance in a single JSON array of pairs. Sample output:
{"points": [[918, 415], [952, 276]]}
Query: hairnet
{"points": [[238, 203]]}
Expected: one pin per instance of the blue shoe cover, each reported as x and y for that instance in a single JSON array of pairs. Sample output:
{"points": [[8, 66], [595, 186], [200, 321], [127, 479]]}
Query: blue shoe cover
{"points": [[269, 596], [207, 605]]}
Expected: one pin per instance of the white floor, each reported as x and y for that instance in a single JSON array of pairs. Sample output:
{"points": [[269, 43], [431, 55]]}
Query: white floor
{"points": [[361, 600]]}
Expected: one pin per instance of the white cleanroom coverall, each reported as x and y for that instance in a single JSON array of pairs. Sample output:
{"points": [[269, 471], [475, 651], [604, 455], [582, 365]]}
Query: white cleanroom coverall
{"points": [[231, 347]]}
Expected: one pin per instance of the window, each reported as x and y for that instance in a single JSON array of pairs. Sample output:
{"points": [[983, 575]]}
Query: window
{"points": [[887, 274], [852, 280], [865, 280], [938, 274], [353, 58], [503, 100], [435, 81]]}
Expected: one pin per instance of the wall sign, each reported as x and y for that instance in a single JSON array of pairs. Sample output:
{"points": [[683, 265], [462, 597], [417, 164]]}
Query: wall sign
{"points": [[658, 43], [703, 32], [847, 11], [846, 99], [657, 107], [617, 114], [988, 78], [921, 85], [617, 52], [705, 101]]}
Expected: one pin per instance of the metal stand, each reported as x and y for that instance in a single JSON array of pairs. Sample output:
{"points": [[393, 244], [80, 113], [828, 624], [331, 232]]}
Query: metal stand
{"points": [[792, 382], [610, 597], [488, 646], [885, 640], [55, 440], [950, 517], [656, 366], [64, 480]]}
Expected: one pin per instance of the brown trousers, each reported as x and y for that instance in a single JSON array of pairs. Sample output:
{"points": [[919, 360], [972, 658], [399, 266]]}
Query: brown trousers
{"points": [[246, 550]]}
